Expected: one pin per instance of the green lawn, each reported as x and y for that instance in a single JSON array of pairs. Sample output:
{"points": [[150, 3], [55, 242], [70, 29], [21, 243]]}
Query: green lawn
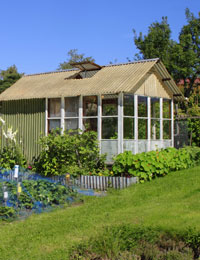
{"points": [[172, 202]]}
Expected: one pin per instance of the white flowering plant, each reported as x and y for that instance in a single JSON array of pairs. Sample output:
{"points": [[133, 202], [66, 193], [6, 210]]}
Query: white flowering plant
{"points": [[11, 153]]}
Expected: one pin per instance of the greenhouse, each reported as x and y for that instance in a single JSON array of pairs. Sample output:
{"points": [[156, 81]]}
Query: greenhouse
{"points": [[130, 106]]}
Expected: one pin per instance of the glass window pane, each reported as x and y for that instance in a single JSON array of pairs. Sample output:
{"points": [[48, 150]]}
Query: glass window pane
{"points": [[142, 128], [155, 107], [90, 124], [128, 128], [155, 129], [71, 124], [142, 106], [166, 108], [71, 106], [109, 128], [53, 124], [166, 129], [90, 106], [109, 105], [129, 105], [54, 107]]}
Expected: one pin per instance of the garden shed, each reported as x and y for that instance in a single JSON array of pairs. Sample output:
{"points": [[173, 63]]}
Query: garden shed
{"points": [[130, 106]]}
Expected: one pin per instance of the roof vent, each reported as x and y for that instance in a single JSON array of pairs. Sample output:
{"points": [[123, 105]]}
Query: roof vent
{"points": [[86, 66]]}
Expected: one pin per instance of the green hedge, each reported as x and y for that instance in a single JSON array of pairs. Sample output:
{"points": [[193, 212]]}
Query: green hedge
{"points": [[153, 164]]}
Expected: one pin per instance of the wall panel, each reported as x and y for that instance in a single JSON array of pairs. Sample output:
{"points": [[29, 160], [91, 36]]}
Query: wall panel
{"points": [[28, 118]]}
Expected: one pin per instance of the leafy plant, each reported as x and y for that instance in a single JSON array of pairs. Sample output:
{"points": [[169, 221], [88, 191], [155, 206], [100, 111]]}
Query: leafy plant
{"points": [[11, 153], [153, 164], [71, 152], [7, 213]]}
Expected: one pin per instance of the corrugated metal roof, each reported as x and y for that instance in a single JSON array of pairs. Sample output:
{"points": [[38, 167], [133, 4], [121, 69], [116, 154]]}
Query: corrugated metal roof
{"points": [[109, 80]]}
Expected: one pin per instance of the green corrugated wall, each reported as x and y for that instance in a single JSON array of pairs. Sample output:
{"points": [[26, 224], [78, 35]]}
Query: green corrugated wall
{"points": [[28, 118]]}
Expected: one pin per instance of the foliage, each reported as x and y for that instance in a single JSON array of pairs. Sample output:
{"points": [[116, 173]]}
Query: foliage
{"points": [[193, 112], [138, 242], [149, 165], [11, 153], [73, 152], [73, 57], [36, 194], [156, 43], [8, 77], [7, 213], [43, 191], [180, 58]]}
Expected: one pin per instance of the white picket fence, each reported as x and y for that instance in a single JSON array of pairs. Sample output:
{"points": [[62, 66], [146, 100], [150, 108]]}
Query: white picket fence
{"points": [[104, 182], [101, 183]]}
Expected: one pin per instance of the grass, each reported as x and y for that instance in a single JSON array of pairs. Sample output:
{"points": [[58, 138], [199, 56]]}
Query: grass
{"points": [[171, 203]]}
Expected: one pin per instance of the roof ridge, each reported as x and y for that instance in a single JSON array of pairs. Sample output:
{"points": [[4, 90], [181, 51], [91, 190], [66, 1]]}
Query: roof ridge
{"points": [[132, 62], [108, 65], [50, 72]]}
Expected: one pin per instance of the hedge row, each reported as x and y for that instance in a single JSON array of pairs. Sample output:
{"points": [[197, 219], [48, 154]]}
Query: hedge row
{"points": [[149, 165]]}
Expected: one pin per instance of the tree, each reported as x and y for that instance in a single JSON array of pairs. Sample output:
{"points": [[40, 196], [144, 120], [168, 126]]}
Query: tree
{"points": [[156, 43], [182, 59], [8, 77], [73, 57]]}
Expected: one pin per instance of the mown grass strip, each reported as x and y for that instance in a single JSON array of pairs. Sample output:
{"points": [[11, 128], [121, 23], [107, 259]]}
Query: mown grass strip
{"points": [[171, 203]]}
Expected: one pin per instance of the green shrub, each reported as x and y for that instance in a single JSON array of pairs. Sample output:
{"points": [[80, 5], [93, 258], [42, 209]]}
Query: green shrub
{"points": [[153, 164], [73, 152], [11, 155], [133, 242]]}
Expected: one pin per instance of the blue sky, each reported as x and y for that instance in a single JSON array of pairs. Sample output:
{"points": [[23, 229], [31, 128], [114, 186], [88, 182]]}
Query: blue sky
{"points": [[37, 34]]}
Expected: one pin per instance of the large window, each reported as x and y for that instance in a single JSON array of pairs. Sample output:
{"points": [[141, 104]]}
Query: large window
{"points": [[142, 117], [90, 112], [71, 113], [109, 116], [128, 116], [166, 118], [54, 113], [155, 118]]}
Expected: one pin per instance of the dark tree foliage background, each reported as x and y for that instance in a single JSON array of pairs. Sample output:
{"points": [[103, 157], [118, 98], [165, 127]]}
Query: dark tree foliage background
{"points": [[8, 77], [182, 58], [73, 57]]}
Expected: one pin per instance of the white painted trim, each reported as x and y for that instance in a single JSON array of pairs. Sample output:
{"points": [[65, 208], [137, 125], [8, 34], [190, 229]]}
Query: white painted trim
{"points": [[172, 122], [46, 116], [120, 123], [149, 123], [161, 119], [80, 113], [62, 114], [99, 121], [136, 122]]}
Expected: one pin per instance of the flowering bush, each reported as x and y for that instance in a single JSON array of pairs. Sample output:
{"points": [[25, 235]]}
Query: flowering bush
{"points": [[11, 153]]}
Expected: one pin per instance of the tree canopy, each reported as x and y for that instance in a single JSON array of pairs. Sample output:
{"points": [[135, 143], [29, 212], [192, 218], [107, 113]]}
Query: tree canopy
{"points": [[182, 58], [8, 77], [73, 57]]}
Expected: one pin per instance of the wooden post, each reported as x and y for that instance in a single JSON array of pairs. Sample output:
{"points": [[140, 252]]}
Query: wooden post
{"points": [[149, 123], [46, 116], [62, 113], [136, 122], [120, 123], [99, 122], [80, 112], [161, 120], [172, 122]]}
